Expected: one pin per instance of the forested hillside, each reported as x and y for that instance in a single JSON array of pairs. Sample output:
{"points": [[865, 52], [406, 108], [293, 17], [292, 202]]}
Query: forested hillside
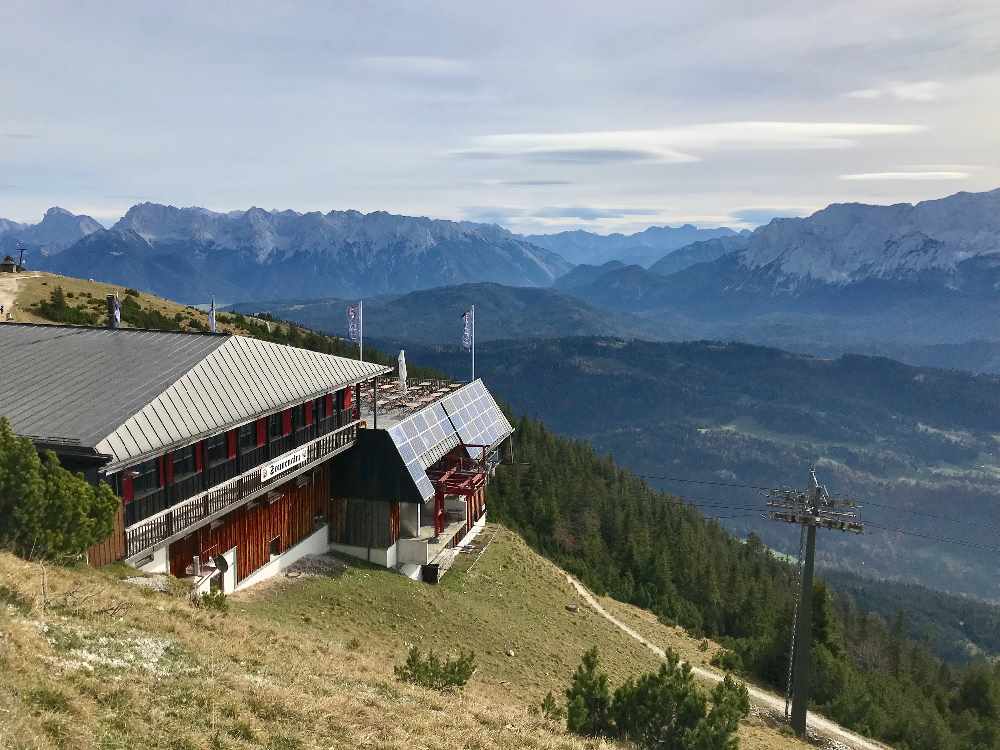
{"points": [[645, 547], [913, 445], [957, 628]]}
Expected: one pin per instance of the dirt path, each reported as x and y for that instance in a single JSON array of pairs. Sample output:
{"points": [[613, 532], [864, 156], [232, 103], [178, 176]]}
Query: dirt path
{"points": [[9, 283], [817, 724]]}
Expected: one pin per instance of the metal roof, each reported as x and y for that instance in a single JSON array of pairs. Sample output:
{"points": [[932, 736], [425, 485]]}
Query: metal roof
{"points": [[132, 393]]}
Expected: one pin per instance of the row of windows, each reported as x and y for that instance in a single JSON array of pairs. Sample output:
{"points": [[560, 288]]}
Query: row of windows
{"points": [[150, 476]]}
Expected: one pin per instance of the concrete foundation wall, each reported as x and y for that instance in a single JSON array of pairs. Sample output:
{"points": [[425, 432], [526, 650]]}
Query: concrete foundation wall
{"points": [[409, 519], [314, 544], [159, 564], [385, 557]]}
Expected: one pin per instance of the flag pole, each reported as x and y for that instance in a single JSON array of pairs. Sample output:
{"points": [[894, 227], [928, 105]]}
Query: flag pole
{"points": [[361, 330], [473, 342]]}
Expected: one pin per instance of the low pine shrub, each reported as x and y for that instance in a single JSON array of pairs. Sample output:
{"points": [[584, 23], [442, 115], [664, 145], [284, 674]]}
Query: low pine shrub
{"points": [[727, 660], [431, 672], [214, 600]]}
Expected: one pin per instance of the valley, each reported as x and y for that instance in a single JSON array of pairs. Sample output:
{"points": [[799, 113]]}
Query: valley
{"points": [[916, 444]]}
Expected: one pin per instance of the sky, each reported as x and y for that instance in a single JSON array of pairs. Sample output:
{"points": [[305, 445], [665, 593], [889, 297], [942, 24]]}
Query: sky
{"points": [[540, 116]]}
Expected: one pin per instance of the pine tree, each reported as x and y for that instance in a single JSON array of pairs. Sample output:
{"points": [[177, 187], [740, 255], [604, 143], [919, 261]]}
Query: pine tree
{"points": [[588, 699], [45, 510]]}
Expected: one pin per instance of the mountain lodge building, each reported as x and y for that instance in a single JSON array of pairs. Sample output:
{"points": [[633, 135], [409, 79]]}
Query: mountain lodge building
{"points": [[234, 457]]}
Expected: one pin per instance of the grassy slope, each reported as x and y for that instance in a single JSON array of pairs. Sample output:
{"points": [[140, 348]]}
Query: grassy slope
{"points": [[302, 662], [36, 287]]}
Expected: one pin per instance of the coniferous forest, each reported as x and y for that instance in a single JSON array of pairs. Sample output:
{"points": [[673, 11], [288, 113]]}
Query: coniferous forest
{"points": [[647, 548]]}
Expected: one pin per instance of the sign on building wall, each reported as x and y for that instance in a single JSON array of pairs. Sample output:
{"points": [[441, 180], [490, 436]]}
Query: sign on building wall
{"points": [[271, 470]]}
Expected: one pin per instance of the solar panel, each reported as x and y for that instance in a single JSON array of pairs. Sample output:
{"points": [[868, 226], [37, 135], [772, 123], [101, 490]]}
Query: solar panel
{"points": [[476, 417], [468, 415], [422, 439]]}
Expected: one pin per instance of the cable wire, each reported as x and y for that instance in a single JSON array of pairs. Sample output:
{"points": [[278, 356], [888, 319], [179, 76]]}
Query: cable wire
{"points": [[705, 482]]}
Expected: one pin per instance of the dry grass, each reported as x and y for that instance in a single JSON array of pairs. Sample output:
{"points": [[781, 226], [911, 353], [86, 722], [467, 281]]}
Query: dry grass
{"points": [[36, 286], [298, 663]]}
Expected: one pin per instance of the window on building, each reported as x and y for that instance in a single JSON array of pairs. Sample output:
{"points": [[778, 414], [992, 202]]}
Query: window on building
{"points": [[216, 449], [148, 479], [274, 427], [321, 408], [248, 437], [184, 462], [298, 417]]}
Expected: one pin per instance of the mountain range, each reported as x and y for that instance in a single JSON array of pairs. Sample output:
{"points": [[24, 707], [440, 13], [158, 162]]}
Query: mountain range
{"points": [[917, 282], [192, 254], [907, 280], [433, 316], [57, 230], [641, 248]]}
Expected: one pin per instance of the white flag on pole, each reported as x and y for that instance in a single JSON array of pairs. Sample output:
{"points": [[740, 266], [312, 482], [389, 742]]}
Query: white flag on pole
{"points": [[211, 316], [467, 331], [402, 370], [353, 323]]}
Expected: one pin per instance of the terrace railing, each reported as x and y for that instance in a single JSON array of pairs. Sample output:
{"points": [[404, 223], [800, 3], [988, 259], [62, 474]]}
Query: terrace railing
{"points": [[175, 520]]}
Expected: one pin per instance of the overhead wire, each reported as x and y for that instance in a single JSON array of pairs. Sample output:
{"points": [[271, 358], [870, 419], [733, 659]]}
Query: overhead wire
{"points": [[861, 503], [931, 537], [699, 503]]}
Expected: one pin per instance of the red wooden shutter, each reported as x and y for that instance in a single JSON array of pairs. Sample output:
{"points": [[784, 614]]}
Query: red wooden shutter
{"points": [[168, 468], [261, 431], [162, 461], [286, 421], [329, 405], [348, 398], [128, 492], [309, 412], [199, 456], [231, 444]]}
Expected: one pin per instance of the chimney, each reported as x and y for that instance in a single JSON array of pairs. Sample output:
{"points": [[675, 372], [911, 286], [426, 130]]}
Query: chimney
{"points": [[114, 316]]}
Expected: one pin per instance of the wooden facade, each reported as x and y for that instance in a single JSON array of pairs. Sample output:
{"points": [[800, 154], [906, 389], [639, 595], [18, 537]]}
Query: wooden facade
{"points": [[258, 530], [364, 523], [112, 548]]}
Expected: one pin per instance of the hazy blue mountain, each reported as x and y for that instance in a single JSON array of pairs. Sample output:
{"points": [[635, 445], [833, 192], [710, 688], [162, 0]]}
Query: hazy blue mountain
{"points": [[919, 282], [918, 439], [190, 254], [433, 316], [641, 248], [57, 230], [699, 252], [586, 274], [851, 242]]}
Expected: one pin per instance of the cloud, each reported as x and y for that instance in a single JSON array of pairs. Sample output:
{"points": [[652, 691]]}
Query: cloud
{"points": [[493, 214], [915, 91], [590, 213], [20, 136], [873, 176], [757, 216], [865, 94], [418, 65], [677, 145], [528, 183], [504, 214], [571, 155]]}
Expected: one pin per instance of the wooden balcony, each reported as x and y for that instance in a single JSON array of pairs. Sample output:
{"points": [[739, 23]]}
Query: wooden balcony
{"points": [[216, 501]]}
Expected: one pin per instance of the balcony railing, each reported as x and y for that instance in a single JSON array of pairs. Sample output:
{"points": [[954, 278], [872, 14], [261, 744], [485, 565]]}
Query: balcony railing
{"points": [[280, 445], [172, 521]]}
